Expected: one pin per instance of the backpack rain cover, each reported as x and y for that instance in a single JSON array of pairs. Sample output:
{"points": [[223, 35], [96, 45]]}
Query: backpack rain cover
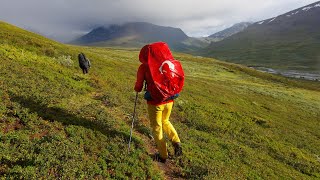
{"points": [[166, 72]]}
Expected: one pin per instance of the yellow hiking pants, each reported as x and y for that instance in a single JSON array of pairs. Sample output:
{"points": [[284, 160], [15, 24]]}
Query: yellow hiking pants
{"points": [[159, 121]]}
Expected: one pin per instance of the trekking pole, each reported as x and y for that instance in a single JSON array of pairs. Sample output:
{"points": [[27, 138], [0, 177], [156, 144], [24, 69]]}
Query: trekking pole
{"points": [[133, 117]]}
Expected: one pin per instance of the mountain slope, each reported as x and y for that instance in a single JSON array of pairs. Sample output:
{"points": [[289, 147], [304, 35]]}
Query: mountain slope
{"points": [[234, 122], [138, 34], [56, 123], [287, 41], [132, 34], [230, 31], [139, 31]]}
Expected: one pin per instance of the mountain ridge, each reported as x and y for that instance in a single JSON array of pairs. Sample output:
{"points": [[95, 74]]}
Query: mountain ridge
{"points": [[290, 39], [238, 27], [135, 32]]}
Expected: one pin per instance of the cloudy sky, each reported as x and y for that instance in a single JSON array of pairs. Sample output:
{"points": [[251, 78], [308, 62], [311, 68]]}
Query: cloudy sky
{"points": [[63, 20]]}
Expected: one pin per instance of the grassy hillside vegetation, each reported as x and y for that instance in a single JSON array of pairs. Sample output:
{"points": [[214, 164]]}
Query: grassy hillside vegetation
{"points": [[287, 42], [56, 122], [290, 51], [234, 122]]}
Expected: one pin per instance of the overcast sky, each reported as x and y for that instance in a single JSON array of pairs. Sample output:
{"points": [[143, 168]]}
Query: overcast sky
{"points": [[65, 19]]}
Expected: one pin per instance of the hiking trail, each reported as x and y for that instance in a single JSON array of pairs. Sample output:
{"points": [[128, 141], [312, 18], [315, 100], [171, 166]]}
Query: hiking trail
{"points": [[169, 169]]}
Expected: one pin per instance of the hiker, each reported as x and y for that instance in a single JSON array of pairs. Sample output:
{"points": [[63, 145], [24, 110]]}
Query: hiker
{"points": [[84, 63], [159, 110]]}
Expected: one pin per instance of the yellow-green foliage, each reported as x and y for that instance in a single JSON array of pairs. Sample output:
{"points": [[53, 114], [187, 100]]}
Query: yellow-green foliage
{"points": [[234, 122]]}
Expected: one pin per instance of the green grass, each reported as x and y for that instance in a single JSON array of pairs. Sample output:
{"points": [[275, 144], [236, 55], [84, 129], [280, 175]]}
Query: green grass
{"points": [[59, 123], [244, 126], [294, 50], [234, 122]]}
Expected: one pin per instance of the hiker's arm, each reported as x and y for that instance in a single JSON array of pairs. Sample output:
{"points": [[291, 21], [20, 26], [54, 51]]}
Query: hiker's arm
{"points": [[140, 78]]}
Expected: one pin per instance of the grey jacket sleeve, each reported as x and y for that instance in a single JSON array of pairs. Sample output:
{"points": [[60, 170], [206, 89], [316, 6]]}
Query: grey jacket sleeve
{"points": [[89, 63]]}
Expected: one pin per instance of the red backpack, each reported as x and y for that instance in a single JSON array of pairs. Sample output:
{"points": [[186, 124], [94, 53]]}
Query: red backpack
{"points": [[166, 72]]}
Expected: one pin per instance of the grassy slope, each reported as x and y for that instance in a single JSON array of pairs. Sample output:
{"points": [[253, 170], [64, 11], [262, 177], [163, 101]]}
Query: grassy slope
{"points": [[56, 122], [234, 122], [271, 49]]}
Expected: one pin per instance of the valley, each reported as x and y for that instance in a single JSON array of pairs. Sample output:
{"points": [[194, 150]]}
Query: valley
{"points": [[249, 108], [313, 76], [289, 41]]}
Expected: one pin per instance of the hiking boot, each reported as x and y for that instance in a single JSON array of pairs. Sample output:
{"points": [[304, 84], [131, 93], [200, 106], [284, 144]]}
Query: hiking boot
{"points": [[177, 149], [158, 158]]}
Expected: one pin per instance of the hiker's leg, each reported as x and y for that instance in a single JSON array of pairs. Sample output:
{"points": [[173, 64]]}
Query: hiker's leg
{"points": [[166, 124], [84, 71], [155, 116]]}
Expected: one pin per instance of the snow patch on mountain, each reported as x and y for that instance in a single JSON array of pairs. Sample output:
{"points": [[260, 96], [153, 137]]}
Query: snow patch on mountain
{"points": [[261, 22], [294, 13], [310, 7], [307, 8], [272, 20]]}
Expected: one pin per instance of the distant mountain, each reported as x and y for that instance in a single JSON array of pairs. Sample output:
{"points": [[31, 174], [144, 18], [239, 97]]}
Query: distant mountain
{"points": [[230, 31], [290, 40], [137, 34]]}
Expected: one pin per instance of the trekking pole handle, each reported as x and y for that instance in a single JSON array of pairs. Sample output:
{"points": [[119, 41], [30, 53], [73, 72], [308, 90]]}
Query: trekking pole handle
{"points": [[133, 117]]}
